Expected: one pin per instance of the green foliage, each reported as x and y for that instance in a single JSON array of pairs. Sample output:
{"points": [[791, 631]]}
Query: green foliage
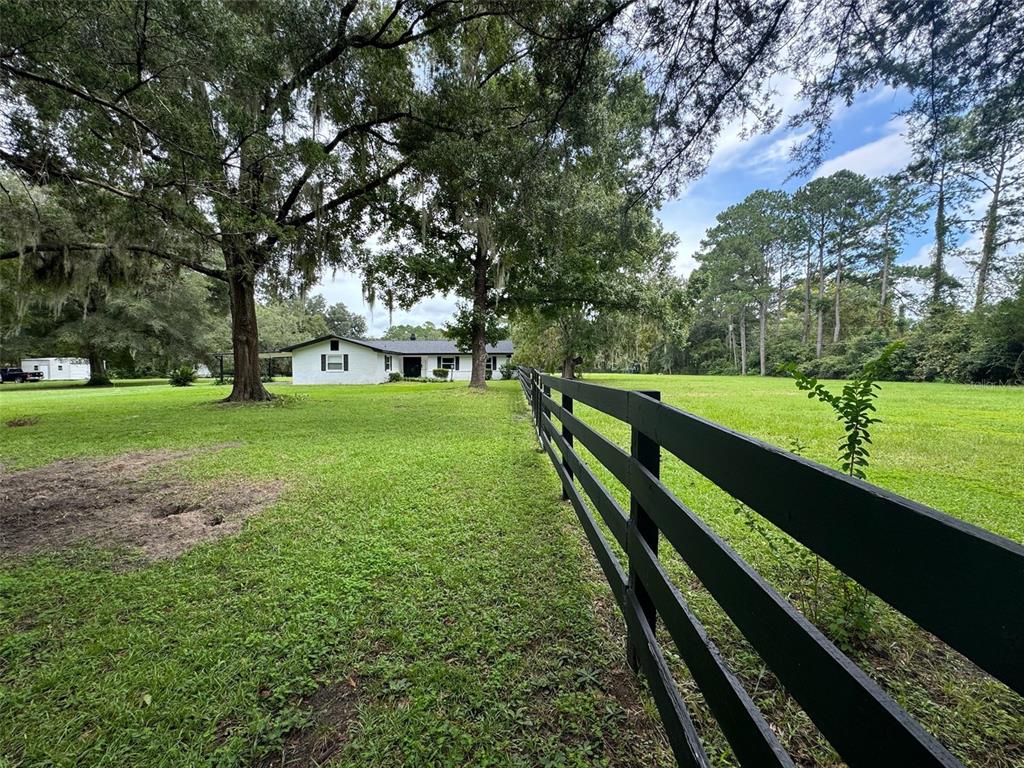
{"points": [[342, 322], [394, 376], [182, 377], [441, 373], [854, 407], [465, 322], [424, 332], [849, 617], [147, 326], [289, 321], [508, 369]]}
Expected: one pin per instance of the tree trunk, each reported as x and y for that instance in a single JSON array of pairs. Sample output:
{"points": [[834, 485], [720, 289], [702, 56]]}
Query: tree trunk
{"points": [[806, 335], [478, 378], [941, 227], [731, 342], [245, 339], [821, 297], [569, 367], [883, 299], [743, 342], [988, 245], [763, 337], [97, 370], [839, 281], [780, 310]]}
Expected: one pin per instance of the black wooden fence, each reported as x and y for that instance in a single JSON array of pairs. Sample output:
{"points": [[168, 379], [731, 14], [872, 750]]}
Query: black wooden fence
{"points": [[963, 584]]}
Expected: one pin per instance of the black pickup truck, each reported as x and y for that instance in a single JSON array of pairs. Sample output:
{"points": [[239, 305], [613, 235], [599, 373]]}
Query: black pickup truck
{"points": [[17, 375]]}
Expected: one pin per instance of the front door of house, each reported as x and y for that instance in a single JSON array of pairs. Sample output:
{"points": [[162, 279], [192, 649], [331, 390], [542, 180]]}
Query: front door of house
{"points": [[412, 367]]}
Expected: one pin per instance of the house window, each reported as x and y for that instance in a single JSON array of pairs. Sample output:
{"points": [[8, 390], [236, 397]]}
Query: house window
{"points": [[35, 367], [448, 363], [492, 362], [59, 367], [333, 362], [387, 362], [334, 345]]}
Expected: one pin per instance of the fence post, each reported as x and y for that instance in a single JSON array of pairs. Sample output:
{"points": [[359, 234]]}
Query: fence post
{"points": [[536, 401], [540, 420], [567, 436], [648, 453]]}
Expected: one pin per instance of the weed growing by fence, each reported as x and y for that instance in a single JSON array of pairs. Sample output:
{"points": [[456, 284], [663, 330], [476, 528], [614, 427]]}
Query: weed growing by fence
{"points": [[843, 607]]}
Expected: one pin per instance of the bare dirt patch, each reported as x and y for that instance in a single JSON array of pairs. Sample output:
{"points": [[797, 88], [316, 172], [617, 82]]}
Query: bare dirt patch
{"points": [[122, 502], [333, 712], [26, 421]]}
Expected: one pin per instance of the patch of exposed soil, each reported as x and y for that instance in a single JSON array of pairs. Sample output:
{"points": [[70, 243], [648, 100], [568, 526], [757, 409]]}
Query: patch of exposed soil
{"points": [[332, 712], [120, 501], [26, 421]]}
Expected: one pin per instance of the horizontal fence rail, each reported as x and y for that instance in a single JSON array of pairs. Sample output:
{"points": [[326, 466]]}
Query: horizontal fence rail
{"points": [[959, 582]]}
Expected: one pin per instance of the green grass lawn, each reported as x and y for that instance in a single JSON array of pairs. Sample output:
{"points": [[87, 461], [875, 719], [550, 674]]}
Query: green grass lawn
{"points": [[418, 581], [957, 448], [11, 388]]}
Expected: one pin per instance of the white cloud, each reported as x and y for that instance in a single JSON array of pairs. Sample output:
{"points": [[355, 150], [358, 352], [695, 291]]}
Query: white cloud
{"points": [[777, 154], [886, 155], [738, 141], [689, 219]]}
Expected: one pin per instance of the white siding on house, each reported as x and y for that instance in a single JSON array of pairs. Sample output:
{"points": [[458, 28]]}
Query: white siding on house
{"points": [[465, 367], [365, 365], [58, 368]]}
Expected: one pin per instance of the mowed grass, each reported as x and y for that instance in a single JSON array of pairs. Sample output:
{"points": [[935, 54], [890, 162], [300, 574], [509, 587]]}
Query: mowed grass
{"points": [[419, 560], [418, 567], [957, 448]]}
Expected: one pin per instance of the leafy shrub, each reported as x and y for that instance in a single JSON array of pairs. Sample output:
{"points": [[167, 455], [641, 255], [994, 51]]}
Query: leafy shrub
{"points": [[849, 616], [829, 367], [183, 377], [488, 375], [440, 373], [508, 369], [394, 376]]}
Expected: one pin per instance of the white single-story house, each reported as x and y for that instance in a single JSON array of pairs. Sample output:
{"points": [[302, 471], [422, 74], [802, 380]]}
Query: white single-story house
{"points": [[58, 368], [340, 360]]}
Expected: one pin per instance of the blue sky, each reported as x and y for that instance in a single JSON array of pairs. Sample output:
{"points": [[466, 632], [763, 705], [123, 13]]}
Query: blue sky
{"points": [[868, 137]]}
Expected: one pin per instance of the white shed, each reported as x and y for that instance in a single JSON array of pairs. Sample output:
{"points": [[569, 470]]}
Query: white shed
{"points": [[58, 368]]}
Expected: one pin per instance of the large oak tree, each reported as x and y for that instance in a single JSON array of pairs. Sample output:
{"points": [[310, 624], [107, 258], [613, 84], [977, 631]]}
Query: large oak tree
{"points": [[244, 141]]}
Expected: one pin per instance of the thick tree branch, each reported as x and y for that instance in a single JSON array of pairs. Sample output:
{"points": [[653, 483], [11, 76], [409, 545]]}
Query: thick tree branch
{"points": [[365, 127], [348, 196], [89, 98], [47, 169], [173, 258]]}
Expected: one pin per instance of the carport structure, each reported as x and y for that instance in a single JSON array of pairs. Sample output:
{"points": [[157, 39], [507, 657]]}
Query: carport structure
{"points": [[268, 356]]}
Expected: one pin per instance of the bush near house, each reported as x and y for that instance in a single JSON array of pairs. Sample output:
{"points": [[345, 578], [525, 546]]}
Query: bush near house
{"points": [[441, 373], [183, 377]]}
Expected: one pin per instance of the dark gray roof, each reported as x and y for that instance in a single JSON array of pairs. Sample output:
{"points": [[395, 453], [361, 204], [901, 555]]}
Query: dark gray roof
{"points": [[408, 346]]}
